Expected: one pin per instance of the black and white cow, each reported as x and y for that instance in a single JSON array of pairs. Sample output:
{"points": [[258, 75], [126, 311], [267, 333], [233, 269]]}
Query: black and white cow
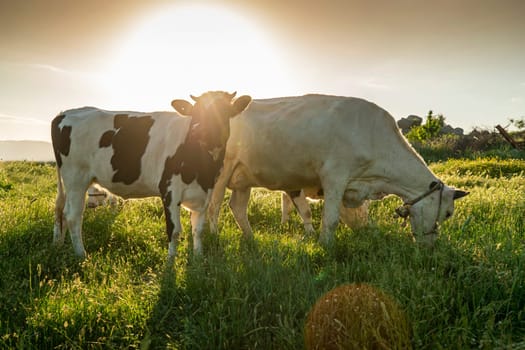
{"points": [[136, 155], [350, 148]]}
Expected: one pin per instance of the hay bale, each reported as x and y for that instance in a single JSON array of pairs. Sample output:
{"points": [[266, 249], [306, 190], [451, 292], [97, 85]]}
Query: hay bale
{"points": [[356, 316]]}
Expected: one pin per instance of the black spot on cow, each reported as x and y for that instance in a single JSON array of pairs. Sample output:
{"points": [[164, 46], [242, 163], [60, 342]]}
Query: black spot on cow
{"points": [[106, 139], [129, 140], [61, 138], [192, 162], [121, 120]]}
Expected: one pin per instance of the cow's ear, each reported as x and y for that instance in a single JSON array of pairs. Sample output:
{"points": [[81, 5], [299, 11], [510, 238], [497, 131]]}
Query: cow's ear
{"points": [[459, 194], [183, 107], [240, 104]]}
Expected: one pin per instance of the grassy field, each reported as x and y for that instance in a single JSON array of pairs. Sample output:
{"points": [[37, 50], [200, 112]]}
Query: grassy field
{"points": [[468, 292]]}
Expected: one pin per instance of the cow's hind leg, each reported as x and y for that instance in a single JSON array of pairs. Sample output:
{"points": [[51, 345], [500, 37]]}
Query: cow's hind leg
{"points": [[239, 206], [303, 208], [286, 207], [74, 210]]}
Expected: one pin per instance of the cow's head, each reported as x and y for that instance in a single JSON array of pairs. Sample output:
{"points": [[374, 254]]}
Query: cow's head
{"points": [[96, 196], [428, 210], [210, 116]]}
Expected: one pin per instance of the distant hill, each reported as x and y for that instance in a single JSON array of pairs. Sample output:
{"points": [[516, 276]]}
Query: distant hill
{"points": [[40, 151]]}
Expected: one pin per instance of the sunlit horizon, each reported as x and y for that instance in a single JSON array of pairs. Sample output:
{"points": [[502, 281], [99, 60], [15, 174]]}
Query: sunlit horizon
{"points": [[169, 52], [407, 59], [180, 50]]}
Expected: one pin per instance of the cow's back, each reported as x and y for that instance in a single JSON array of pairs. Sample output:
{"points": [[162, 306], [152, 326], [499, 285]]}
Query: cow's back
{"points": [[118, 149], [284, 143]]}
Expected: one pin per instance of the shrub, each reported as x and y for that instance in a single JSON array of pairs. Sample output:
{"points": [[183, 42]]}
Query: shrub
{"points": [[518, 123], [427, 131], [478, 143]]}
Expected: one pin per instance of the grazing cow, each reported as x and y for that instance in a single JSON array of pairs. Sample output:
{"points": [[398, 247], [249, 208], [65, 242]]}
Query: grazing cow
{"points": [[98, 195], [352, 217], [349, 147], [136, 155]]}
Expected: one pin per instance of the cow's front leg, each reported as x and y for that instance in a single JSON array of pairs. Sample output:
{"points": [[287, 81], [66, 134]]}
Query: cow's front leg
{"points": [[333, 195], [214, 206], [239, 206], [173, 226], [198, 219]]}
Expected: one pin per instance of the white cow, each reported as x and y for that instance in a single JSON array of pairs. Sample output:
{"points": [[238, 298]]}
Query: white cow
{"points": [[352, 217], [135, 155], [349, 147], [98, 196]]}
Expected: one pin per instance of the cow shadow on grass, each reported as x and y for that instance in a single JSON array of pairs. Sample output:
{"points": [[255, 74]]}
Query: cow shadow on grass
{"points": [[247, 293], [182, 282], [444, 289], [204, 301], [165, 323], [242, 292]]}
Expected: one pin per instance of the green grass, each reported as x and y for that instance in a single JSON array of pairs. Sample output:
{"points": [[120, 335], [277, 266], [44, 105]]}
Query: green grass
{"points": [[468, 292]]}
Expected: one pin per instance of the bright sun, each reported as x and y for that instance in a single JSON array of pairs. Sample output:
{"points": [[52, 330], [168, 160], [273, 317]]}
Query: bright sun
{"points": [[182, 50]]}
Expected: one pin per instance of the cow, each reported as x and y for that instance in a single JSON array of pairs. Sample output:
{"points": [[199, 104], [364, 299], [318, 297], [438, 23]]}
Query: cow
{"points": [[352, 217], [98, 196], [175, 156], [350, 148]]}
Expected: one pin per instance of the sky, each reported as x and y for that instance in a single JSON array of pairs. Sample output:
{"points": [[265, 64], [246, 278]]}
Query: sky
{"points": [[460, 58]]}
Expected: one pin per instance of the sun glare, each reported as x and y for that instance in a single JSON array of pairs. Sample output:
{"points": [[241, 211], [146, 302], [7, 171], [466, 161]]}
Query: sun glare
{"points": [[182, 50]]}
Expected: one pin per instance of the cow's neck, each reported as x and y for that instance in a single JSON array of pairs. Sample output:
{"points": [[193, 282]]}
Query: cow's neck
{"points": [[409, 176], [193, 161]]}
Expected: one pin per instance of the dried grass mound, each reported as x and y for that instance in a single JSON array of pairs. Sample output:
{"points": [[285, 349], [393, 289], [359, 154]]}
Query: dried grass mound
{"points": [[356, 316]]}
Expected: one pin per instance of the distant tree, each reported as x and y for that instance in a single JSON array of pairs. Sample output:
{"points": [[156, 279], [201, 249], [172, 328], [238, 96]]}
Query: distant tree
{"points": [[518, 123], [427, 131]]}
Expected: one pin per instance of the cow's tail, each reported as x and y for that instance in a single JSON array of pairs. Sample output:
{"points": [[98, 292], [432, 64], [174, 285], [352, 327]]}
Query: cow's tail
{"points": [[56, 138]]}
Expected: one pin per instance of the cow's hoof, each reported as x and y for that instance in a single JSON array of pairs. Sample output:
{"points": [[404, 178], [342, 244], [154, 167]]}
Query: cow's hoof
{"points": [[326, 241]]}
